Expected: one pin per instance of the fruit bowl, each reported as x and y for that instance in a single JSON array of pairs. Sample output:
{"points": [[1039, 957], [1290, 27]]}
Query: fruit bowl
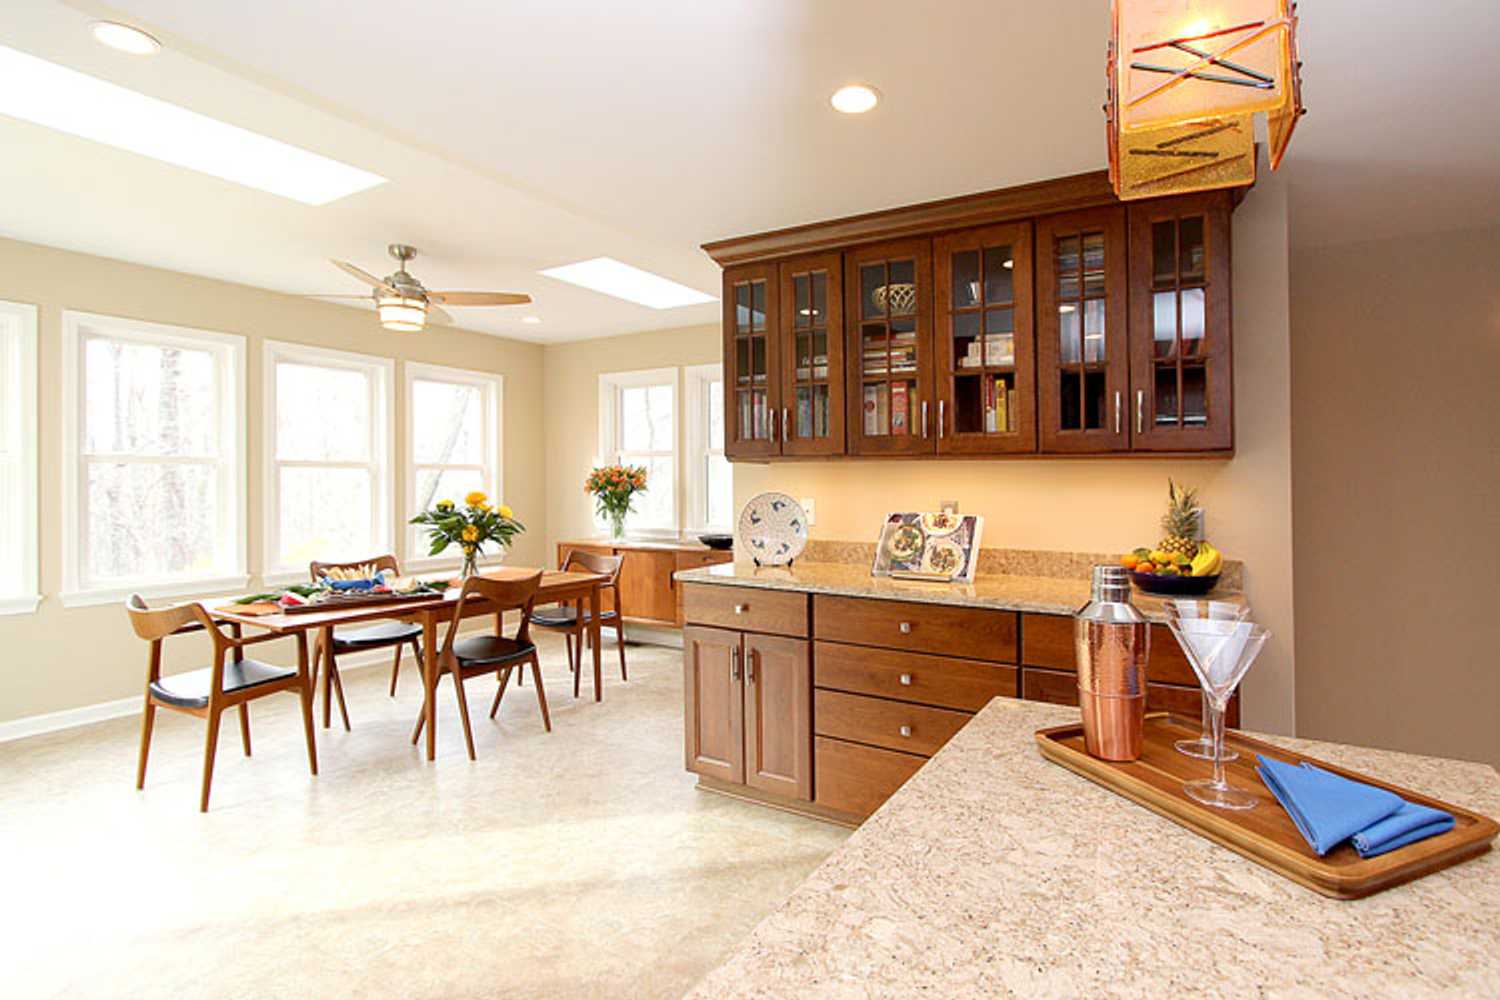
{"points": [[1174, 586]]}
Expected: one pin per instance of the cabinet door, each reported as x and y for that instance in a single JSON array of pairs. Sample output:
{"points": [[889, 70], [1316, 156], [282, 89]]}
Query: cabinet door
{"points": [[714, 711], [752, 387], [1181, 380], [888, 318], [986, 384], [812, 355], [647, 589], [778, 716], [1082, 353]]}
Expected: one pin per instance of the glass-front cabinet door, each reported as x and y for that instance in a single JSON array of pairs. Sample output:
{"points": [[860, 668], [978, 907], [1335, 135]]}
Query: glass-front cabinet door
{"points": [[1082, 348], [1180, 379], [888, 318], [986, 389], [752, 390], [812, 355]]}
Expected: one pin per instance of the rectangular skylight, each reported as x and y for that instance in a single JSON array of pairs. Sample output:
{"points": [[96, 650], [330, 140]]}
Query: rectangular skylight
{"points": [[612, 277], [57, 97]]}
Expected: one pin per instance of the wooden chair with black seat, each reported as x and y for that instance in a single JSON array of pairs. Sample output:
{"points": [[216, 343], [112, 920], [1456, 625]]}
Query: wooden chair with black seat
{"points": [[233, 681], [366, 637], [572, 619], [490, 654]]}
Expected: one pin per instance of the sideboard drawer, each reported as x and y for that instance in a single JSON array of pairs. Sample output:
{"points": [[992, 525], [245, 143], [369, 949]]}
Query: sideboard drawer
{"points": [[967, 685], [1061, 688], [749, 609], [856, 779], [975, 633], [1047, 641], [895, 725]]}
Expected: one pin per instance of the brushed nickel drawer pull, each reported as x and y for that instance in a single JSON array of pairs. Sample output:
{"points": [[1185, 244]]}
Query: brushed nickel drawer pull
{"points": [[1140, 411], [906, 628], [1117, 413], [734, 664], [906, 680], [740, 609], [906, 730]]}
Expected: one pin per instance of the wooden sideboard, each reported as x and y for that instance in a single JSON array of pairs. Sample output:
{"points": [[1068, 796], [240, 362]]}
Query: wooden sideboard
{"points": [[650, 595], [827, 704]]}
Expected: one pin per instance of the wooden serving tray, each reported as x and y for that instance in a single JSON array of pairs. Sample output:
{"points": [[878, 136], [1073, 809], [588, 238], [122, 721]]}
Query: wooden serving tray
{"points": [[358, 600], [1265, 834]]}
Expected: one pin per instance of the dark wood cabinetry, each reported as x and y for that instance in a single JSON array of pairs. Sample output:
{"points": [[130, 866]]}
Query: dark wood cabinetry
{"points": [[1049, 318]]}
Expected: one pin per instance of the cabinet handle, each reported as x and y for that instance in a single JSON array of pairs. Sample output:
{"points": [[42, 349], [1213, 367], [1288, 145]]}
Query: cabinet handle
{"points": [[786, 424], [1140, 411], [1117, 412], [740, 609], [750, 668], [942, 419], [906, 680], [906, 730], [905, 628], [734, 664], [924, 418], [771, 419]]}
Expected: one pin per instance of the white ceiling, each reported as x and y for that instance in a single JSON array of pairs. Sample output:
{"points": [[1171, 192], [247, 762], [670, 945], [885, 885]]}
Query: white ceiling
{"points": [[519, 136]]}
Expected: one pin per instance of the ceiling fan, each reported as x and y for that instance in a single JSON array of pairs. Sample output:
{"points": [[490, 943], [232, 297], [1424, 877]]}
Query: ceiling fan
{"points": [[404, 304]]}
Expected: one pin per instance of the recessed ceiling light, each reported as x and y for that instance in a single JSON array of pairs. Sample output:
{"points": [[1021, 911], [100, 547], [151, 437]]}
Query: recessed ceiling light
{"points": [[531, 319], [613, 277], [57, 97], [125, 38], [855, 99]]}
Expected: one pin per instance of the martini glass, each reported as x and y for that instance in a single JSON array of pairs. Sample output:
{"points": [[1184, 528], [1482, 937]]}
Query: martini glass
{"points": [[1240, 645], [1198, 643]]}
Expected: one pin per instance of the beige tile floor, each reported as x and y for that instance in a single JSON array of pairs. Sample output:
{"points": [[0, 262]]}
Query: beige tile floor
{"points": [[580, 863]]}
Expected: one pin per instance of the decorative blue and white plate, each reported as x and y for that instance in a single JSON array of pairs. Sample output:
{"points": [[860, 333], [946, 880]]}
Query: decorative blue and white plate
{"points": [[773, 529]]}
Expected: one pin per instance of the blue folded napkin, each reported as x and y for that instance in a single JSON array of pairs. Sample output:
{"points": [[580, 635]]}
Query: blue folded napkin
{"points": [[1330, 809]]}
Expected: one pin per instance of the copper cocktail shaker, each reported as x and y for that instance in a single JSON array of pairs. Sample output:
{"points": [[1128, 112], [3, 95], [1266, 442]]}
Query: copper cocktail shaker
{"points": [[1112, 641]]}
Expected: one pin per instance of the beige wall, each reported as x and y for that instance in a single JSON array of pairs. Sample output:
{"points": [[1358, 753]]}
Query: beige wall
{"points": [[572, 394], [1110, 505], [63, 658], [1396, 461]]}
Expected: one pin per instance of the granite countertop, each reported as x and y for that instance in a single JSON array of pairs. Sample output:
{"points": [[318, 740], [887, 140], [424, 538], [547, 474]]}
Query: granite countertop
{"points": [[996, 873], [1049, 595]]}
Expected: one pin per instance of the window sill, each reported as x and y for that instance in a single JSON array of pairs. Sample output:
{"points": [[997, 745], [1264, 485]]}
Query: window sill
{"points": [[438, 565], [216, 587], [24, 605]]}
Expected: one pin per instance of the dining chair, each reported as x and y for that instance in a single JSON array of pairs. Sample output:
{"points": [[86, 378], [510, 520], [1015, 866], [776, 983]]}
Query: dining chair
{"points": [[490, 654], [353, 640], [572, 619], [210, 691]]}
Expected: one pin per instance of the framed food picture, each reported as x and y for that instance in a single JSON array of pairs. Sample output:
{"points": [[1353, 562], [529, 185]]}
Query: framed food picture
{"points": [[942, 546]]}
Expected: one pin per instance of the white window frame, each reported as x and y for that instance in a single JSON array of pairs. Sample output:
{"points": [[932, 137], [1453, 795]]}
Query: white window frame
{"points": [[231, 544], [492, 395], [610, 384], [695, 473], [18, 375], [381, 372]]}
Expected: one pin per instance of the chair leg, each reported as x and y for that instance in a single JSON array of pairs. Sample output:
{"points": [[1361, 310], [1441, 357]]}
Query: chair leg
{"points": [[210, 747], [395, 669], [416, 733], [620, 643], [568, 638], [504, 679], [324, 666], [305, 695], [463, 711], [541, 694], [338, 689], [578, 667], [245, 726], [148, 720]]}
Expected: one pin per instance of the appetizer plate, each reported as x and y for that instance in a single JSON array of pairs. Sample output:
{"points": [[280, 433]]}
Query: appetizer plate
{"points": [[773, 529]]}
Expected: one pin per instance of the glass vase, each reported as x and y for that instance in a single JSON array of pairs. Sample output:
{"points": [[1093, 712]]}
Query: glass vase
{"points": [[617, 524], [471, 563]]}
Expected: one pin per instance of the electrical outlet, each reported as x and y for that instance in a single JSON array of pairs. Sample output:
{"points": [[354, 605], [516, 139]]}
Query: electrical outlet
{"points": [[810, 509]]}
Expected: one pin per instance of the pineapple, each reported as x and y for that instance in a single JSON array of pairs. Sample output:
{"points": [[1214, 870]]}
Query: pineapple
{"points": [[1180, 522]]}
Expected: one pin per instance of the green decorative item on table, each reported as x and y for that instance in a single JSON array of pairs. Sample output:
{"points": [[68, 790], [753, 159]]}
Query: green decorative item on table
{"points": [[469, 526], [613, 488]]}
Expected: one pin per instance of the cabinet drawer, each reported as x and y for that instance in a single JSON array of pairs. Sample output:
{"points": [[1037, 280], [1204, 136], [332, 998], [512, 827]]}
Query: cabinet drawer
{"points": [[856, 779], [1047, 641], [967, 685], [697, 560], [975, 633], [1061, 688], [895, 725], [777, 612]]}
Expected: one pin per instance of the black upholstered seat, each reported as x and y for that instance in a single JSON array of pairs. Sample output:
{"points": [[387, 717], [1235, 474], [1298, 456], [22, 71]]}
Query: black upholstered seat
{"points": [[190, 690], [563, 615], [375, 636], [491, 650]]}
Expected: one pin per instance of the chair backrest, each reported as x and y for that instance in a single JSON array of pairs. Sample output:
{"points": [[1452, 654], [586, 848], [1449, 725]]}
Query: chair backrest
{"points": [[316, 569], [593, 562], [153, 624], [501, 595]]}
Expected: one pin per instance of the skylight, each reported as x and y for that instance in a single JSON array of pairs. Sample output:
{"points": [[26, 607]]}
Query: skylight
{"points": [[613, 277], [57, 97]]}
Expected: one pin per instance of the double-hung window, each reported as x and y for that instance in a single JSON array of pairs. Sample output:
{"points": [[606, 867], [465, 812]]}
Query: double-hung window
{"points": [[638, 426], [328, 457], [153, 459], [18, 434], [453, 441], [710, 484]]}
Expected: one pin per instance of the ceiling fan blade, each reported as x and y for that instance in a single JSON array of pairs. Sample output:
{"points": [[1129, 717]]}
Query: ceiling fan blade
{"points": [[440, 316], [364, 276], [479, 298], [320, 295]]}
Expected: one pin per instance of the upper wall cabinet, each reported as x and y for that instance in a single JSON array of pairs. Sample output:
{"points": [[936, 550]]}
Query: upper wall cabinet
{"points": [[1048, 318]]}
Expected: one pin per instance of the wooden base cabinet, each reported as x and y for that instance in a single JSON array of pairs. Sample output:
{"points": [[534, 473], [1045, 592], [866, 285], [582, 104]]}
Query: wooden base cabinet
{"points": [[650, 595]]}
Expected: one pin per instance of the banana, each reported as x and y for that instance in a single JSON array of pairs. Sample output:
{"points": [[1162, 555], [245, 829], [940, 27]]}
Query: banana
{"points": [[1208, 561]]}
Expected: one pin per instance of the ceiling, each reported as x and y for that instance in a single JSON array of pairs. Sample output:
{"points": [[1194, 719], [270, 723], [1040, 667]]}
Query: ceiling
{"points": [[520, 136]]}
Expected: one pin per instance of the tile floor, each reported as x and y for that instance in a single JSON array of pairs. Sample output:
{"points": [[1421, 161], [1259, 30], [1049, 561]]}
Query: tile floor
{"points": [[580, 863]]}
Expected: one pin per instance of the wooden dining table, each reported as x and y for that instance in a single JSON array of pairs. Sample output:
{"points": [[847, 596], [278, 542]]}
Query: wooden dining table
{"points": [[429, 612]]}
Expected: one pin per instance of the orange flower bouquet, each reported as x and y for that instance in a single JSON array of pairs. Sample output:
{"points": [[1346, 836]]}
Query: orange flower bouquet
{"points": [[613, 488]]}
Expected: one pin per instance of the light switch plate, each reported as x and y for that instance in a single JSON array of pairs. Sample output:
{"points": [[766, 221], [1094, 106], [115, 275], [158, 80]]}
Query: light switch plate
{"points": [[810, 509]]}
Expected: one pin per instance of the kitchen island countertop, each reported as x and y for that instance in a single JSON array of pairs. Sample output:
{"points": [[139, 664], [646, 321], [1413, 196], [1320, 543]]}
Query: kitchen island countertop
{"points": [[996, 873]]}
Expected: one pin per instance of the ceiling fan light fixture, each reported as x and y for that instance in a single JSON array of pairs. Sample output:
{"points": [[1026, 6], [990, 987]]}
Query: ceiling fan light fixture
{"points": [[125, 38], [855, 99], [401, 313]]}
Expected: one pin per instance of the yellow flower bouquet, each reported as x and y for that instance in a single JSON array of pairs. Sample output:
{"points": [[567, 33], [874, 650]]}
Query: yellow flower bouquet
{"points": [[469, 526]]}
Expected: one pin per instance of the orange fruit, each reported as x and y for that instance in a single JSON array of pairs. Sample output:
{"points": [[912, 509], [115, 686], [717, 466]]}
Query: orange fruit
{"points": [[1145, 567], [1130, 561]]}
